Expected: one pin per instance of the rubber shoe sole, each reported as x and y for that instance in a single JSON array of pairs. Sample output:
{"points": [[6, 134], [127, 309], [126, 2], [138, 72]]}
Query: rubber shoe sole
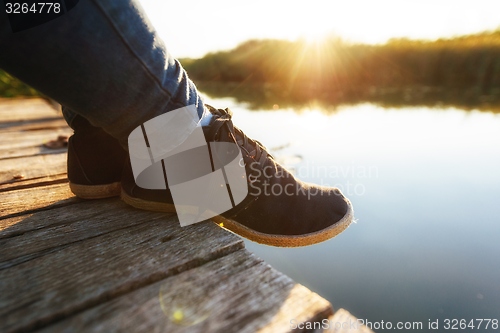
{"points": [[256, 236], [147, 205], [96, 191]]}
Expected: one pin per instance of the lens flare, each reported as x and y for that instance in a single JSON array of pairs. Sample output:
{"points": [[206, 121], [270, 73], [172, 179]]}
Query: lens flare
{"points": [[184, 304]]}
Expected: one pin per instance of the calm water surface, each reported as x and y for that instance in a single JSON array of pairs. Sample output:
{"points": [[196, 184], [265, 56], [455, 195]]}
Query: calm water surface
{"points": [[425, 186]]}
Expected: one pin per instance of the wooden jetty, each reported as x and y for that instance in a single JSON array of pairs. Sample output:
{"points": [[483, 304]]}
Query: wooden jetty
{"points": [[71, 265]]}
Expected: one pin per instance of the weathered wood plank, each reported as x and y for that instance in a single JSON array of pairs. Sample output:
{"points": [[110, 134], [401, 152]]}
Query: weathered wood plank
{"points": [[29, 200], [30, 151], [302, 306], [15, 140], [19, 184], [33, 125], [31, 222], [236, 293], [89, 272], [344, 322], [17, 109], [22, 239], [32, 167]]}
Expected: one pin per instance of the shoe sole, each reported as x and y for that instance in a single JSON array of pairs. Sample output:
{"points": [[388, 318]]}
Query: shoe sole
{"points": [[287, 240], [147, 205], [96, 191], [256, 236]]}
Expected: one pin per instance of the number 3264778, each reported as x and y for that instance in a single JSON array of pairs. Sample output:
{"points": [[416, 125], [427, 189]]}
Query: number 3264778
{"points": [[34, 8]]}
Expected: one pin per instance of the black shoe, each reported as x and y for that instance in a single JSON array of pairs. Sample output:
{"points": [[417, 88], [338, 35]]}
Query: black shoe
{"points": [[147, 199], [279, 210], [95, 161]]}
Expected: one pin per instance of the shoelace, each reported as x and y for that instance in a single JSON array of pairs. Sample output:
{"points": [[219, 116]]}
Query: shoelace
{"points": [[252, 148]]}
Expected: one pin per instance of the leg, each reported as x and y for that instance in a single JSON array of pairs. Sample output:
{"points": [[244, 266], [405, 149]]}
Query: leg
{"points": [[103, 60]]}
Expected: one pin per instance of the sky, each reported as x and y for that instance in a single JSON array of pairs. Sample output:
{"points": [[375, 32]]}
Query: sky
{"points": [[192, 28]]}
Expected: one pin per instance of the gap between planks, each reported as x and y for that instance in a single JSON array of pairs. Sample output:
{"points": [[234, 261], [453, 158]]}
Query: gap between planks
{"points": [[30, 200], [104, 266], [235, 293], [32, 167]]}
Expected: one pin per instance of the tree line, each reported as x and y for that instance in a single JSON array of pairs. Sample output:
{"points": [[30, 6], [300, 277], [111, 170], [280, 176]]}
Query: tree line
{"points": [[469, 62], [464, 70]]}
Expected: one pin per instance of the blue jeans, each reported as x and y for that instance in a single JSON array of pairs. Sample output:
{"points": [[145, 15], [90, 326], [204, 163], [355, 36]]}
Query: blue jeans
{"points": [[104, 61]]}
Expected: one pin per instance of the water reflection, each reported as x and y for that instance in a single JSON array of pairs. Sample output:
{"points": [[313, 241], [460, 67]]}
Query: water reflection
{"points": [[272, 96], [426, 242]]}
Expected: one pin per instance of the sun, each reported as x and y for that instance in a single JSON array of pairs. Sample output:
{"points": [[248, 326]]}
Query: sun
{"points": [[314, 37]]}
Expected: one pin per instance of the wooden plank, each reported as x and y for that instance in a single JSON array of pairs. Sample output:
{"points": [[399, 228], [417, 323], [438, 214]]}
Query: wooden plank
{"points": [[236, 293], [30, 151], [88, 272], [31, 222], [32, 167], [22, 239], [302, 307], [32, 199], [34, 125], [344, 322], [17, 109], [15, 185], [14, 140]]}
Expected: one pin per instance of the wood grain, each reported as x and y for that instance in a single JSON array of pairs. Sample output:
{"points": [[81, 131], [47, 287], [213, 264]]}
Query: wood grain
{"points": [[32, 167], [89, 272], [30, 151], [22, 241], [32, 199], [20, 184], [21, 139], [235, 293], [33, 125], [19, 109], [344, 322]]}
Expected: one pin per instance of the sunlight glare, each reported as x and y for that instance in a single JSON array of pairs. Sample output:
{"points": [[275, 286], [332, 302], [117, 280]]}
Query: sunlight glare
{"points": [[364, 21]]}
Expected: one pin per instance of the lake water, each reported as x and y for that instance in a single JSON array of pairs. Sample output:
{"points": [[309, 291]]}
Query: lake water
{"points": [[425, 186]]}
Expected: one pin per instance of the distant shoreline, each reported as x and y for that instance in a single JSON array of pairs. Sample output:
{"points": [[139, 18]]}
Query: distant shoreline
{"points": [[463, 70], [265, 96]]}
